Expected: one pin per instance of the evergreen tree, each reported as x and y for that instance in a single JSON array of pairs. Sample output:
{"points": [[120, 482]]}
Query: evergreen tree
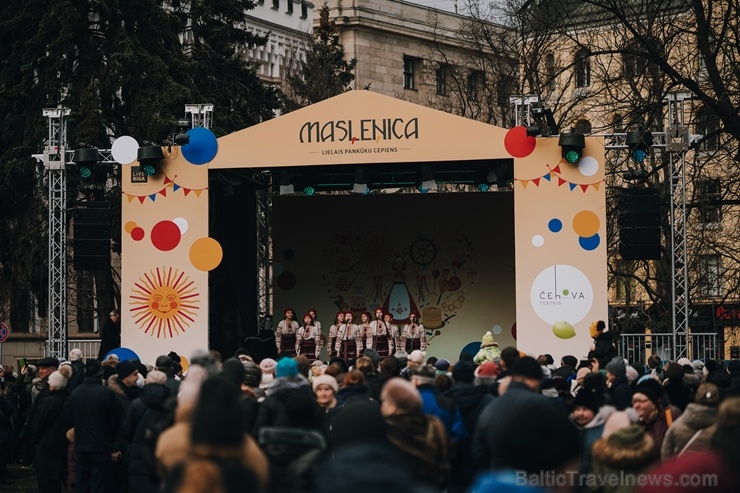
{"points": [[323, 72]]}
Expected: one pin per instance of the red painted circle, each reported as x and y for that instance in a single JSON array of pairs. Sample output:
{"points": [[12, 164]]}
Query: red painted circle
{"points": [[518, 143], [137, 234], [165, 235]]}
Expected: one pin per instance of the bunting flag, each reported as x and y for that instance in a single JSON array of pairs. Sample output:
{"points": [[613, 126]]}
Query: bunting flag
{"points": [[555, 172], [168, 183]]}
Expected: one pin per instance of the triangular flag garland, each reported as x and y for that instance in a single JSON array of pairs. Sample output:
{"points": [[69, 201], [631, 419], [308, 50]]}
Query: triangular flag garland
{"points": [[168, 182], [555, 172]]}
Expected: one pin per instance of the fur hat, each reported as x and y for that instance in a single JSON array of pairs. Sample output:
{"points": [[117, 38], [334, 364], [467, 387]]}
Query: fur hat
{"points": [[527, 367], [707, 394], [57, 380], [488, 340], [326, 380], [617, 367], [488, 369], [417, 357], [628, 448], [651, 389], [286, 367], [268, 365], [156, 376], [125, 368], [463, 372], [218, 418], [49, 361]]}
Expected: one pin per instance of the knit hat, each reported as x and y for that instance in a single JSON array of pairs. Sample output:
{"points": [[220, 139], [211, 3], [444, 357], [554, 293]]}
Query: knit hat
{"points": [[488, 369], [360, 421], [75, 355], [651, 389], [417, 356], [326, 380], [49, 361], [488, 340], [631, 375], [527, 367], [683, 361], [442, 365], [286, 367], [125, 368], [252, 374], [617, 367], [589, 399], [698, 365], [218, 418], [707, 394], [57, 380], [268, 365], [462, 372]]}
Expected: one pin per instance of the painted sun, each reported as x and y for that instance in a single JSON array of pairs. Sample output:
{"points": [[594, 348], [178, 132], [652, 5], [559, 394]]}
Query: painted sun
{"points": [[164, 302]]}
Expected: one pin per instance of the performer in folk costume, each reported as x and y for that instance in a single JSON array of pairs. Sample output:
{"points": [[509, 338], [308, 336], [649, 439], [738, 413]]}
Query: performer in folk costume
{"points": [[314, 322], [285, 335], [366, 333], [349, 339], [380, 338], [308, 339], [413, 336], [333, 330], [394, 331]]}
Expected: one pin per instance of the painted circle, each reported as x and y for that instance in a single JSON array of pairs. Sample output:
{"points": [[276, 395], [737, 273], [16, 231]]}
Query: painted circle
{"points": [[518, 143], [165, 236], [538, 240], [286, 281], [586, 223], [563, 330], [129, 226], [184, 364], [206, 254], [124, 149], [588, 166], [277, 268], [288, 254], [591, 243], [124, 354], [513, 330], [137, 234], [555, 225], [561, 292], [182, 223], [202, 147], [497, 329]]}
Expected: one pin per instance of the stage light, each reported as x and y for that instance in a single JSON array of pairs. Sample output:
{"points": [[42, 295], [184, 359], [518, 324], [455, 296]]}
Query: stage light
{"points": [[149, 158], [483, 187], [572, 144], [360, 185], [639, 141], [286, 185], [427, 179], [86, 159], [309, 190]]}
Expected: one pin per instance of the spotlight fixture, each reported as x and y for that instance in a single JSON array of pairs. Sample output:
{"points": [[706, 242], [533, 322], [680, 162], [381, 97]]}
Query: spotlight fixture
{"points": [[286, 185], [427, 179], [309, 190], [544, 122], [639, 141], [86, 159], [572, 144], [149, 158], [360, 185]]}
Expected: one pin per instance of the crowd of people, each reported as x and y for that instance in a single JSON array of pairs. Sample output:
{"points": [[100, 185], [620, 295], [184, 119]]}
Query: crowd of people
{"points": [[494, 421]]}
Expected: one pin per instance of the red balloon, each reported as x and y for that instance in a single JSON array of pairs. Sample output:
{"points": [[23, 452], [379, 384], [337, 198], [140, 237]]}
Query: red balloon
{"points": [[166, 236], [518, 143]]}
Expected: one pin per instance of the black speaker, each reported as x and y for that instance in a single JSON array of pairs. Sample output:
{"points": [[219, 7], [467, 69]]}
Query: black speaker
{"points": [[638, 220], [92, 239]]}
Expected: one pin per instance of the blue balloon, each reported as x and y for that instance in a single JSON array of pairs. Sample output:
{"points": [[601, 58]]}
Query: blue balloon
{"points": [[124, 354], [202, 147], [590, 243]]}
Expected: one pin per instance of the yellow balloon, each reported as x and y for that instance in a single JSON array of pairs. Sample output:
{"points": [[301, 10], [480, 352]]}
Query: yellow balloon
{"points": [[206, 253]]}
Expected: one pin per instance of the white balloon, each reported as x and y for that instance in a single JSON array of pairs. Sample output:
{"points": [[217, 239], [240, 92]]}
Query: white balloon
{"points": [[124, 149], [182, 223]]}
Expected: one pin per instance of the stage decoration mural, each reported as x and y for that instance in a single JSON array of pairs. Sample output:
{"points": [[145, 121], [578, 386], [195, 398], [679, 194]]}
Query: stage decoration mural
{"points": [[164, 302], [555, 174], [162, 192]]}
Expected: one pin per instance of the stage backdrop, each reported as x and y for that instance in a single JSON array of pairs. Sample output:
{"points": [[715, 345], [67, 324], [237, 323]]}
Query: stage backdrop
{"points": [[448, 256]]}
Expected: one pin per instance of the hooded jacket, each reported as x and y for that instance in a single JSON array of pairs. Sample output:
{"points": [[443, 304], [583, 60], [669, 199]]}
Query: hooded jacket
{"points": [[696, 417]]}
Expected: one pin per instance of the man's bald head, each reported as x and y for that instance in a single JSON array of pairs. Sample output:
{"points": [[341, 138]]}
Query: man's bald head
{"points": [[399, 396]]}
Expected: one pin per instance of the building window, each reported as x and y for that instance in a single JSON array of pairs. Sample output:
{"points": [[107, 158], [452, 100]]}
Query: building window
{"points": [[550, 64], [276, 4], [442, 81], [625, 282], [707, 125], [583, 127], [304, 10], [409, 66], [475, 82], [617, 123], [710, 208], [583, 69], [290, 6], [710, 276]]}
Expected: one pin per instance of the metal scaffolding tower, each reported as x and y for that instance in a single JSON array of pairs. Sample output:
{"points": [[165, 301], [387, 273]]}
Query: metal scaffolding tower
{"points": [[201, 115], [55, 161], [264, 250]]}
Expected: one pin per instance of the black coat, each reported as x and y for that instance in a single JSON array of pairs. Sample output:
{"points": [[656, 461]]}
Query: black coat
{"points": [[142, 417], [48, 436], [95, 417], [110, 337], [604, 349]]}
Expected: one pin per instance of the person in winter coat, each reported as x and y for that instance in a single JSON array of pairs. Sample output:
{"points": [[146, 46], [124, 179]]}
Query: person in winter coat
{"points": [[619, 389], [436, 404], [48, 436], [626, 452], [489, 350], [656, 415], [353, 387], [603, 348], [142, 417], [589, 414], [692, 430]]}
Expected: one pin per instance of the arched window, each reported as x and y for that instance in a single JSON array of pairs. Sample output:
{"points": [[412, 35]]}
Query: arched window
{"points": [[583, 127], [639, 59], [707, 125], [617, 123], [583, 69]]}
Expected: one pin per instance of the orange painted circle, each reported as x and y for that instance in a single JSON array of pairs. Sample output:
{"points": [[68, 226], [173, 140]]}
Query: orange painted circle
{"points": [[586, 224], [206, 253], [129, 226]]}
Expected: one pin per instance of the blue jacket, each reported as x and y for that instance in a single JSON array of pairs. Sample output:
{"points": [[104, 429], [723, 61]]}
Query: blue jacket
{"points": [[444, 408]]}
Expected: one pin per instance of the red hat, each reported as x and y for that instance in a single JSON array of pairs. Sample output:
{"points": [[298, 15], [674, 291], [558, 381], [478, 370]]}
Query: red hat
{"points": [[488, 369]]}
